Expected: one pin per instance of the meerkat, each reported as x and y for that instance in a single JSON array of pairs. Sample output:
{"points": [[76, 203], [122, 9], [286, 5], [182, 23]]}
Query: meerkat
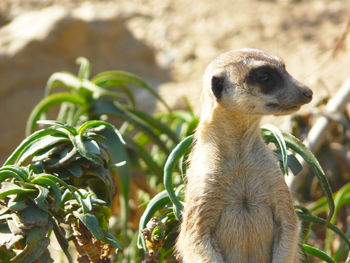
{"points": [[237, 206]]}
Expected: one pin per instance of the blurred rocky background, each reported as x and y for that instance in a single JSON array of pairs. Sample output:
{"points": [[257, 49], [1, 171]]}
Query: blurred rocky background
{"points": [[168, 43]]}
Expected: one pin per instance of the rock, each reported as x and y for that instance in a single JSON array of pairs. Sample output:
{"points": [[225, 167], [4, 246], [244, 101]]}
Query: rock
{"points": [[36, 44]]}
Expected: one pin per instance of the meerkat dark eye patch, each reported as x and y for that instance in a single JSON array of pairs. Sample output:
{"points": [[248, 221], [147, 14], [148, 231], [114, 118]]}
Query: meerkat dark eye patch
{"points": [[266, 77], [217, 86]]}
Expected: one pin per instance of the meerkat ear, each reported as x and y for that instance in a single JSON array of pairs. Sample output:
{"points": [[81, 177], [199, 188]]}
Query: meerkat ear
{"points": [[217, 86]]}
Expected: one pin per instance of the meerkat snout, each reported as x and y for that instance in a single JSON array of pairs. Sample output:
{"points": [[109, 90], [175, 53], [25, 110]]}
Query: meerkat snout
{"points": [[254, 82]]}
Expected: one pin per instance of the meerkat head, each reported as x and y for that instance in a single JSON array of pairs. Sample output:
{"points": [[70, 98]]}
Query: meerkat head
{"points": [[251, 81]]}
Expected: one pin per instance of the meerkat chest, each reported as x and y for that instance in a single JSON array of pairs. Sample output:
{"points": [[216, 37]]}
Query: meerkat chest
{"points": [[250, 181], [248, 194], [248, 217]]}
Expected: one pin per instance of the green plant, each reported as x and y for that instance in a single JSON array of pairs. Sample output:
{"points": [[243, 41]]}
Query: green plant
{"points": [[109, 96], [167, 205], [146, 142], [319, 207], [60, 175]]}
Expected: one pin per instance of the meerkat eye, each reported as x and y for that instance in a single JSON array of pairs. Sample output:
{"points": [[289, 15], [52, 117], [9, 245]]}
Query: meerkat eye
{"points": [[267, 78], [263, 76]]}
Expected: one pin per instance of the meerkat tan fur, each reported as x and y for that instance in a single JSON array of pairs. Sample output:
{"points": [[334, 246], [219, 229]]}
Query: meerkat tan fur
{"points": [[238, 207]]}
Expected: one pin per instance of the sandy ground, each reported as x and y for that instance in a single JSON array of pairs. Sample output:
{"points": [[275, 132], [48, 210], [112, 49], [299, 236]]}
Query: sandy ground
{"points": [[185, 35], [188, 34]]}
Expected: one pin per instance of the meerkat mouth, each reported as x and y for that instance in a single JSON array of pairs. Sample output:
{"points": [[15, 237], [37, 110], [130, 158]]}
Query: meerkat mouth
{"points": [[277, 106], [273, 105]]}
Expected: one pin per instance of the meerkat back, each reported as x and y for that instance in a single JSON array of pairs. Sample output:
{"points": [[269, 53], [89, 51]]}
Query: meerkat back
{"points": [[237, 205]]}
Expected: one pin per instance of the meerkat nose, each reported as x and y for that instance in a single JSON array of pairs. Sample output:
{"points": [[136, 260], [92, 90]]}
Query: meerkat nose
{"points": [[308, 94]]}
